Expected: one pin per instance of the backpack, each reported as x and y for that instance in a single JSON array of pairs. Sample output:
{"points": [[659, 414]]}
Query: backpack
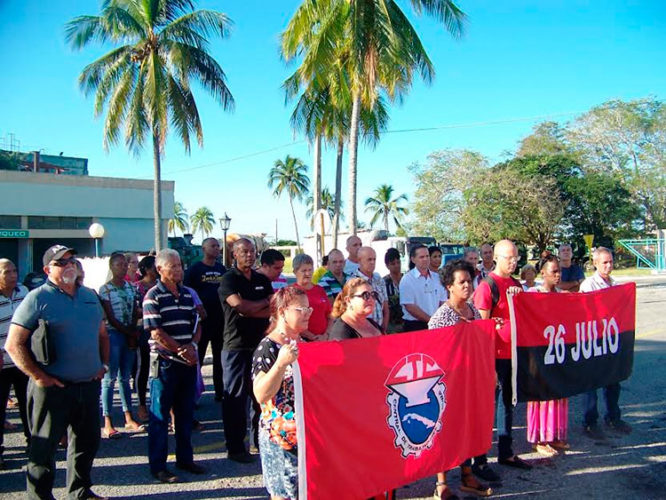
{"points": [[494, 289]]}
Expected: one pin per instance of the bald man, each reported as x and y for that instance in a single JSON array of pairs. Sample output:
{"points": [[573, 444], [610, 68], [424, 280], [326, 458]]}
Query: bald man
{"points": [[367, 259], [490, 298], [602, 258], [353, 245]]}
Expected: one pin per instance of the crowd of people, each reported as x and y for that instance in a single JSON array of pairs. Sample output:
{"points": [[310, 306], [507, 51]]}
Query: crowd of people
{"points": [[65, 345]]}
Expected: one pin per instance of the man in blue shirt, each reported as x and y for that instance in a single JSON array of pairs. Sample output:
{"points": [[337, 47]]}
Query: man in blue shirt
{"points": [[64, 387], [171, 318]]}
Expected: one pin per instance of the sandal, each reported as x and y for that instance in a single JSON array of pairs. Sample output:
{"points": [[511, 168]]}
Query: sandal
{"points": [[135, 430], [446, 493], [546, 450], [113, 434], [469, 484], [560, 445]]}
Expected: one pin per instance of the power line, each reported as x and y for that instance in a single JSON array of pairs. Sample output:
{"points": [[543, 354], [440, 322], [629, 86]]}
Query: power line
{"points": [[401, 131]]}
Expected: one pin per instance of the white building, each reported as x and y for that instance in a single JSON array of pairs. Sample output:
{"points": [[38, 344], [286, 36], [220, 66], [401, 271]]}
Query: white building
{"points": [[38, 210]]}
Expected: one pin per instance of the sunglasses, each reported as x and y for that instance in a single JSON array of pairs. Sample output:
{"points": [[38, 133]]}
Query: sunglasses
{"points": [[367, 295], [63, 262]]}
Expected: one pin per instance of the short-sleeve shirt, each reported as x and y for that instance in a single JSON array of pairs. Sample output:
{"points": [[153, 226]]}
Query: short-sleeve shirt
{"points": [[447, 316], [572, 273], [393, 295], [350, 267], [377, 284], [427, 292], [321, 309], [331, 285], [123, 300], [281, 406], [596, 282], [175, 315], [7, 307], [73, 328], [205, 280], [242, 332], [483, 299]]}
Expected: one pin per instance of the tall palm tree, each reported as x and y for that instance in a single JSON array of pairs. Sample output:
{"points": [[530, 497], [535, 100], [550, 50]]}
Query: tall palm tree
{"points": [[203, 220], [385, 52], [179, 220], [328, 203], [290, 176], [146, 81], [383, 205]]}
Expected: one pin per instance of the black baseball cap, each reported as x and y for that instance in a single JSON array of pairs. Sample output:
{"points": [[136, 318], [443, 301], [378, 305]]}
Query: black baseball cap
{"points": [[56, 252]]}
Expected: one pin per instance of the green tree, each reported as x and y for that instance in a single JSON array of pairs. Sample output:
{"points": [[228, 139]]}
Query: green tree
{"points": [[145, 82], [290, 176], [203, 220], [179, 220], [384, 53], [383, 205]]}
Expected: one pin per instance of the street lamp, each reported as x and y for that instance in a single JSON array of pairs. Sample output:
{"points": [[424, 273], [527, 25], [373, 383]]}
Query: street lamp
{"points": [[96, 231], [225, 222]]}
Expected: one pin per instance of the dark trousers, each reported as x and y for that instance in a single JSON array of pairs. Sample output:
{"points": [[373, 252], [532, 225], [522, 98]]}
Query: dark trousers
{"points": [[51, 410], [237, 367], [173, 388], [141, 378], [12, 376], [504, 406], [414, 326], [612, 398], [211, 331]]}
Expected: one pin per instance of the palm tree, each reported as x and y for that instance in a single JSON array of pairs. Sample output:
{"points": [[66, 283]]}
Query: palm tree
{"points": [[290, 175], [327, 203], [385, 206], [203, 220], [146, 81], [385, 50], [179, 220]]}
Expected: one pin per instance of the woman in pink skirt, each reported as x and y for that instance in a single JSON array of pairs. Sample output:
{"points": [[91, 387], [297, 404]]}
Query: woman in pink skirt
{"points": [[547, 420]]}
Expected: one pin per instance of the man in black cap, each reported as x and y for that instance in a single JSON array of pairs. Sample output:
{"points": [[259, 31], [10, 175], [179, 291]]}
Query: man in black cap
{"points": [[58, 339]]}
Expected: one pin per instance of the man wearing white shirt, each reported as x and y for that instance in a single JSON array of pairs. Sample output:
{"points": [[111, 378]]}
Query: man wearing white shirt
{"points": [[353, 246], [367, 259], [602, 258], [421, 291]]}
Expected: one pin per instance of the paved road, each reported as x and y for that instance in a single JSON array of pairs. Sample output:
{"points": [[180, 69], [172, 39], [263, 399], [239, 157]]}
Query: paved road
{"points": [[621, 466]]}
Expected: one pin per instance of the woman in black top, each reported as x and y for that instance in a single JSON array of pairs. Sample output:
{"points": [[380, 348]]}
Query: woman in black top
{"points": [[351, 309]]}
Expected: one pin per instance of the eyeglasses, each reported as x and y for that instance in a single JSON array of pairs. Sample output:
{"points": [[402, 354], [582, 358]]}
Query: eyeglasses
{"points": [[303, 310], [510, 258], [367, 295], [63, 262]]}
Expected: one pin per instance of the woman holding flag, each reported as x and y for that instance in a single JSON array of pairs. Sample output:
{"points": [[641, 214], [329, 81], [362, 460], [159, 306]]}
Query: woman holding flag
{"points": [[547, 420], [273, 387], [457, 278]]}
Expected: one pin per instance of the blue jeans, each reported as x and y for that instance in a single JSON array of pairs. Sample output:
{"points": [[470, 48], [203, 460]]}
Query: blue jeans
{"points": [[121, 360], [173, 388], [612, 397], [236, 372]]}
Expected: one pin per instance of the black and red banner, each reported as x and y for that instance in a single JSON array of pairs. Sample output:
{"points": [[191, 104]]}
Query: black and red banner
{"points": [[569, 343]]}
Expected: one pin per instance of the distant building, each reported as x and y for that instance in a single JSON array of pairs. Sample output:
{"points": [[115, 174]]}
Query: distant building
{"points": [[39, 209]]}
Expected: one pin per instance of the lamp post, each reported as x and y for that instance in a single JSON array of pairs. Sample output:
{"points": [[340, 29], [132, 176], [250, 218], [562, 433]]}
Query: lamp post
{"points": [[96, 231], [225, 222]]}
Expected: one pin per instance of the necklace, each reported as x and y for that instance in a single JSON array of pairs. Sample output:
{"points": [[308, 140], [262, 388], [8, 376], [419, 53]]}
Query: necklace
{"points": [[458, 311]]}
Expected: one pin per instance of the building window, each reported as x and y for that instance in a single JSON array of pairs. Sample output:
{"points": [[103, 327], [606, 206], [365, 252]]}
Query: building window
{"points": [[10, 222], [39, 222]]}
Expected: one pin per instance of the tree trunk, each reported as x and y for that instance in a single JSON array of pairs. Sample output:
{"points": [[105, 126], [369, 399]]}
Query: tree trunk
{"points": [[298, 241], [353, 150], [157, 191], [386, 217], [316, 195], [338, 189]]}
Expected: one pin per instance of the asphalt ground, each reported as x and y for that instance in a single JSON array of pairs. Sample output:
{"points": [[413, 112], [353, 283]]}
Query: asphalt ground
{"points": [[621, 466]]}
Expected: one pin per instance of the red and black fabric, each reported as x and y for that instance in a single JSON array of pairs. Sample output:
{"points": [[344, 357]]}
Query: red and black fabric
{"points": [[571, 343], [375, 414]]}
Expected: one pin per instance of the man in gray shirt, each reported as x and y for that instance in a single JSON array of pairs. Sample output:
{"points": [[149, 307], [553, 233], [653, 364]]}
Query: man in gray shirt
{"points": [[64, 387]]}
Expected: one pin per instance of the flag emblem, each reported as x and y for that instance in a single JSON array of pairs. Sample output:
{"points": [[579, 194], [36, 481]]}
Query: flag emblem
{"points": [[416, 401]]}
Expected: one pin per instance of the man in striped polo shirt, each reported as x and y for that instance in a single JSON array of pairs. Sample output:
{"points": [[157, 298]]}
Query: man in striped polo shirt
{"points": [[171, 318], [11, 294]]}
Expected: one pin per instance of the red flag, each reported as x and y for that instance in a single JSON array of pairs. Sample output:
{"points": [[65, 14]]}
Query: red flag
{"points": [[375, 414], [570, 343]]}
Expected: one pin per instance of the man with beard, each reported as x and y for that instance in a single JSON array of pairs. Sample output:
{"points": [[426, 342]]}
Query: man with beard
{"points": [[65, 371]]}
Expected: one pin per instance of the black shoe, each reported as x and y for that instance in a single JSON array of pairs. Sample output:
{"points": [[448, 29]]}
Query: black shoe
{"points": [[514, 461], [485, 472], [164, 476], [594, 431], [192, 467], [218, 398], [90, 494], [619, 425], [243, 457]]}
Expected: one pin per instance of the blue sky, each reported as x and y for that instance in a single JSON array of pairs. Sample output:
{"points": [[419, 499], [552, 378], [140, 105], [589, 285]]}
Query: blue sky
{"points": [[518, 59]]}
